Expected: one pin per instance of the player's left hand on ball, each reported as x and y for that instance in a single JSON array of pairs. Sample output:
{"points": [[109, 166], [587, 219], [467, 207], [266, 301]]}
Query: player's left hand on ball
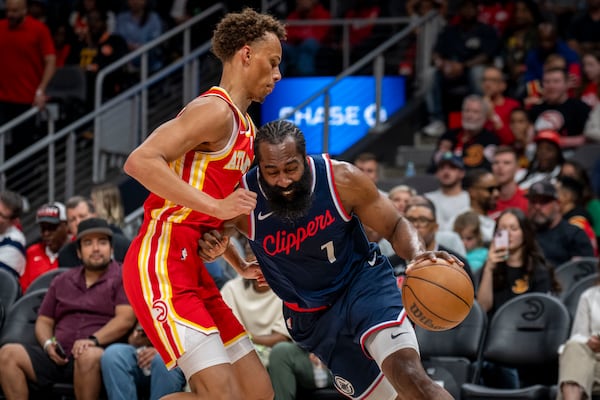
{"points": [[212, 245]]}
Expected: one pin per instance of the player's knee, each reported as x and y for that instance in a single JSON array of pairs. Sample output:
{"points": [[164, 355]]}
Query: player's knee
{"points": [[404, 367]]}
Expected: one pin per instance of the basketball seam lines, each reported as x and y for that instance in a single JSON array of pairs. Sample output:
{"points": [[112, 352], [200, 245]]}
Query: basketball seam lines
{"points": [[435, 284]]}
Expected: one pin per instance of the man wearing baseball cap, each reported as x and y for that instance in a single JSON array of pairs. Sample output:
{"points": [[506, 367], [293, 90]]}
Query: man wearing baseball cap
{"points": [[547, 159], [43, 255], [560, 241], [84, 310]]}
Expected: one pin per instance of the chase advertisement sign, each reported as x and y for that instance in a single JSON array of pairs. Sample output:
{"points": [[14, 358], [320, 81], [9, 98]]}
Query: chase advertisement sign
{"points": [[352, 108]]}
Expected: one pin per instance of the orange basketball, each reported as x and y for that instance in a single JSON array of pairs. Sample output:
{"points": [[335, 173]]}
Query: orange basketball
{"points": [[437, 295]]}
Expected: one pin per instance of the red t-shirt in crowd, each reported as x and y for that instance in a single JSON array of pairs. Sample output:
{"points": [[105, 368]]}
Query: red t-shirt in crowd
{"points": [[503, 111], [23, 50], [517, 201], [37, 262]]}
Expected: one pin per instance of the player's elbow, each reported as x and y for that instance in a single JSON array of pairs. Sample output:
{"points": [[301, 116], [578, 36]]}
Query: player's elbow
{"points": [[132, 166]]}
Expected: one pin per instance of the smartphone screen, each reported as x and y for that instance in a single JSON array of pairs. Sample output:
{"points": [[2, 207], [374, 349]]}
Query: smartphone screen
{"points": [[501, 239]]}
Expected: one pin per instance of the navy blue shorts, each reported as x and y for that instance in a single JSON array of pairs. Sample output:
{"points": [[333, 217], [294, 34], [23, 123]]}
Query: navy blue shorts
{"points": [[337, 334]]}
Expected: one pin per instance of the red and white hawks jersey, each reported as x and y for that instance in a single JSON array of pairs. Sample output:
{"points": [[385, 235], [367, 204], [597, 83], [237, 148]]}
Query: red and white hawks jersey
{"points": [[214, 173]]}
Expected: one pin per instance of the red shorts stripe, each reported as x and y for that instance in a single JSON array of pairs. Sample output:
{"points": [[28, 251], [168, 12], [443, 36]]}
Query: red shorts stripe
{"points": [[169, 288]]}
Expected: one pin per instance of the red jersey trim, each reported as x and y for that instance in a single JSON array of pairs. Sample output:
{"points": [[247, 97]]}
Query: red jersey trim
{"points": [[334, 191]]}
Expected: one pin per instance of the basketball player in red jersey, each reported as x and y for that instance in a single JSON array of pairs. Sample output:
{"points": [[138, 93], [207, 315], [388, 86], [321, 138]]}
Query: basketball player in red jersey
{"points": [[192, 164]]}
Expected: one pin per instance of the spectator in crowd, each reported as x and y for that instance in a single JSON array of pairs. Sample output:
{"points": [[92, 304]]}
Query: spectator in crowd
{"points": [[292, 369], [459, 55], [518, 268], [134, 367], [504, 168], [561, 13], [450, 199], [360, 35], [519, 37], [578, 368], [559, 240], [367, 163], [400, 195], [467, 225], [12, 240], [415, 10], [448, 239], [590, 94], [475, 144], [522, 130], [499, 107], [80, 208], [558, 112], [549, 44], [546, 161], [109, 205], [63, 38], [591, 77], [570, 200], [138, 26], [259, 309], [495, 13], [511, 270], [37, 9], [592, 204], [84, 309], [99, 49], [483, 192], [43, 256], [422, 216], [304, 40], [583, 34], [78, 19], [29, 62]]}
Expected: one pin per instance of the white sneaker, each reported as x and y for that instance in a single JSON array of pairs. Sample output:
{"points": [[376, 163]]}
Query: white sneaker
{"points": [[435, 128]]}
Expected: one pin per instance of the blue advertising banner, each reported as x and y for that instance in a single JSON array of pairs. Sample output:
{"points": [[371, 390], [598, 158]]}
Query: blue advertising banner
{"points": [[351, 110]]}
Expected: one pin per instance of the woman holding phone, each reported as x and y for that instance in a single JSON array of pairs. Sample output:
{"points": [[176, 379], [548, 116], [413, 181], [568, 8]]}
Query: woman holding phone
{"points": [[579, 362], [515, 263]]}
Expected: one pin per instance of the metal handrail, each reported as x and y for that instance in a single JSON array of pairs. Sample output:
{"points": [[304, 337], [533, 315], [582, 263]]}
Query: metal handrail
{"points": [[368, 58]]}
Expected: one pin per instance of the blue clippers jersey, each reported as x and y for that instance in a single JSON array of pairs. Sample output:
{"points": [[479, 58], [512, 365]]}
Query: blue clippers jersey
{"points": [[310, 262]]}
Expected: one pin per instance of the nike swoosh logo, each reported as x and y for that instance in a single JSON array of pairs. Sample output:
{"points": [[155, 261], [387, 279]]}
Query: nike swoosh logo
{"points": [[262, 216], [372, 261], [397, 334]]}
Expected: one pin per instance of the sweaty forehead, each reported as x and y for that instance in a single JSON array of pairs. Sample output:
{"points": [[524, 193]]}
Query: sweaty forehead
{"points": [[280, 154]]}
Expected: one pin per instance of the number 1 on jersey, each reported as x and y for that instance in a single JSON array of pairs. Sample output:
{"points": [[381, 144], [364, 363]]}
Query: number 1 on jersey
{"points": [[328, 247]]}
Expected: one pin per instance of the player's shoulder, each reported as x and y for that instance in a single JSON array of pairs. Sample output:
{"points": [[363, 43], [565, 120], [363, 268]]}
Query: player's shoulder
{"points": [[212, 105], [344, 170]]}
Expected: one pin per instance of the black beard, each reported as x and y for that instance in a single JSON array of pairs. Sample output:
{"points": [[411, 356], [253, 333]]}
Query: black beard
{"points": [[296, 207]]}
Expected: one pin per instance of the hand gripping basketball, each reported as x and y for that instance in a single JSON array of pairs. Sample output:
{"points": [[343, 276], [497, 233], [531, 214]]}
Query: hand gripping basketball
{"points": [[437, 295]]}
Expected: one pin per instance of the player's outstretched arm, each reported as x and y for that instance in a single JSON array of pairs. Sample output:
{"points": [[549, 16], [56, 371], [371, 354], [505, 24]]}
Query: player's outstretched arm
{"points": [[205, 124], [360, 196]]}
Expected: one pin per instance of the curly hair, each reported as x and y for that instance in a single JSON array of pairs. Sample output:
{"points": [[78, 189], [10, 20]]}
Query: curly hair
{"points": [[275, 132], [238, 29]]}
